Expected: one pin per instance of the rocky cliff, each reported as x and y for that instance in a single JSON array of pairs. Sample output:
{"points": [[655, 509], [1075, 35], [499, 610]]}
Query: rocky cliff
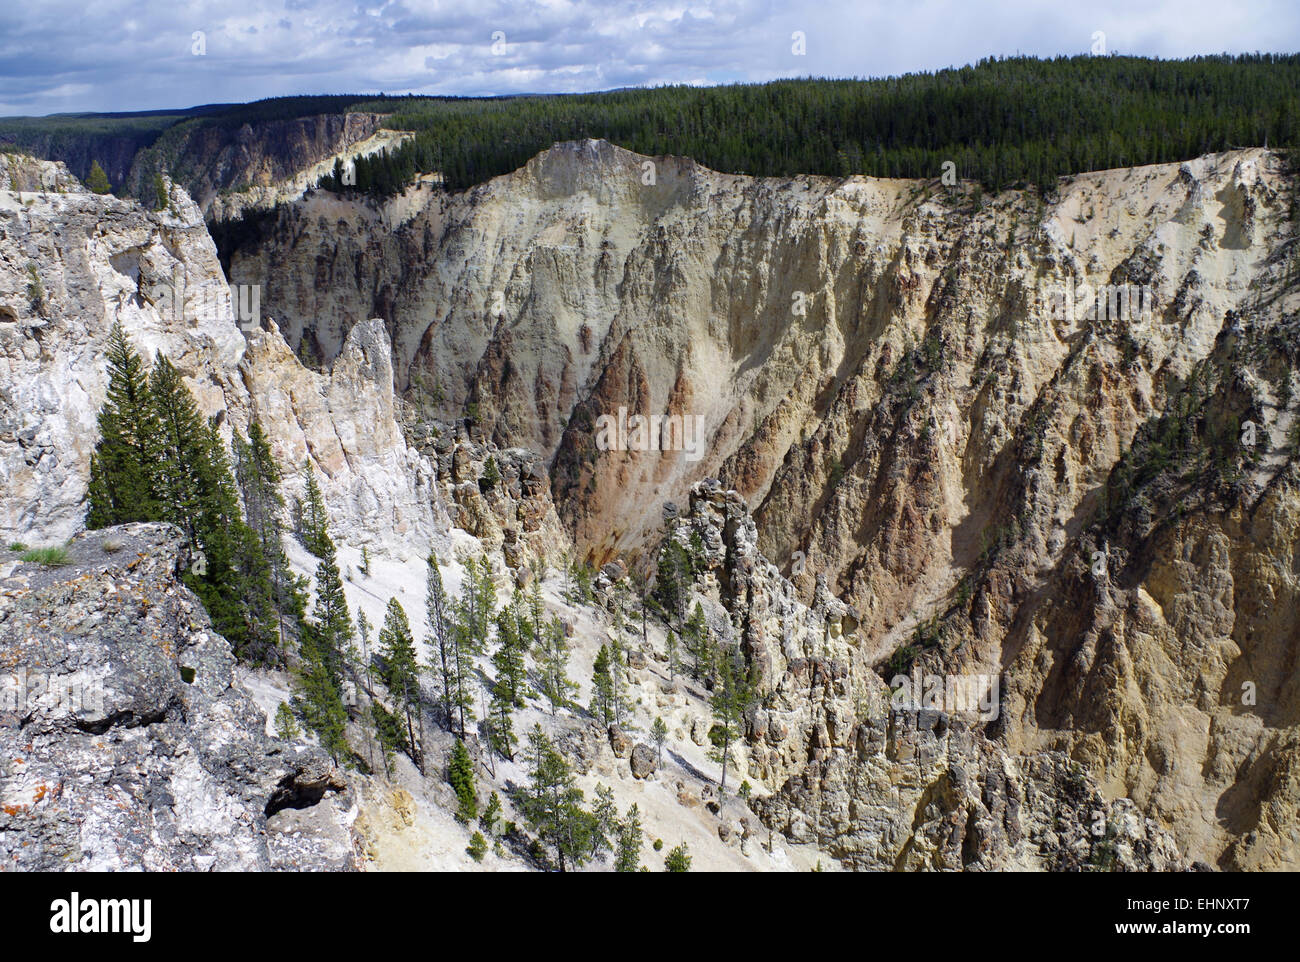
{"points": [[121, 755], [72, 263], [1047, 434]]}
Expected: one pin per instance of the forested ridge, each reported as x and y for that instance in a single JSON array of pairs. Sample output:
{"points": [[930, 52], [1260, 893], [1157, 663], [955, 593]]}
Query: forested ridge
{"points": [[1003, 122]]}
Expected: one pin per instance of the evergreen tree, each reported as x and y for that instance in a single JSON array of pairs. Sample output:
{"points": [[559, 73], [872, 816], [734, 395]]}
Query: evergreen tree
{"points": [[509, 658], [401, 670], [674, 661], [553, 665], [501, 726], [604, 821], [659, 735], [321, 701], [507, 687], [362, 668], [286, 726], [678, 860], [483, 595], [461, 668], [477, 847], [630, 840], [602, 688], [673, 580], [333, 620], [536, 614], [194, 485], [698, 643], [732, 695], [258, 476], [180, 449], [158, 459], [552, 803], [460, 774], [609, 703], [622, 703], [492, 818], [97, 180], [438, 611], [314, 517], [122, 466]]}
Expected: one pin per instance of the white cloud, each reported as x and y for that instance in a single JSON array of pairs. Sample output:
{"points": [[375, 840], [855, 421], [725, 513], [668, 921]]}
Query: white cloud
{"points": [[131, 55]]}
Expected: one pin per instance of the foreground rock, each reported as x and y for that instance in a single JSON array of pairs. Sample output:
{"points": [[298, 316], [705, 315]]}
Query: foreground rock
{"points": [[128, 747]]}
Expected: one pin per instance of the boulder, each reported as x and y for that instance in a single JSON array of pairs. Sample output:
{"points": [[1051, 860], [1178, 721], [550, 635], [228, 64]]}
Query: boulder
{"points": [[620, 742], [643, 761]]}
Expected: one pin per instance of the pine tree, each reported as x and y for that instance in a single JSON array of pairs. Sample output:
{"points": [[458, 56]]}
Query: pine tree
{"points": [[461, 666], [509, 658], [731, 698], [678, 860], [438, 611], [501, 726], [322, 704], [362, 668], [460, 774], [180, 450], [194, 484], [477, 847], [674, 660], [552, 803], [492, 817], [401, 670], [258, 476], [659, 735], [673, 579], [122, 466], [506, 689], [314, 532], [469, 636], [630, 839], [698, 643], [483, 590], [602, 688], [609, 704], [553, 665], [536, 614], [605, 821], [333, 621], [97, 180], [286, 726], [622, 704]]}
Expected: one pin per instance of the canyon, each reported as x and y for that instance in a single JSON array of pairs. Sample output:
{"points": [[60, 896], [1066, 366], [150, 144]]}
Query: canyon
{"points": [[911, 462]]}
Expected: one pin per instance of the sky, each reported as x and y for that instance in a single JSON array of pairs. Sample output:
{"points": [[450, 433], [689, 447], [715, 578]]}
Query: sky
{"points": [[116, 55]]}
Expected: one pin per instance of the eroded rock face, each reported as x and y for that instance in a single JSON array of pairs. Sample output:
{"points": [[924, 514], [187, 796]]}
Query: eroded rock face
{"points": [[789, 315], [100, 260], [889, 376], [875, 781], [500, 496], [128, 745]]}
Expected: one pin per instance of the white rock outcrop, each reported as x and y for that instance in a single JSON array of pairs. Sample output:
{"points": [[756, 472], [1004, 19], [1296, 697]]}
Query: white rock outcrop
{"points": [[72, 263]]}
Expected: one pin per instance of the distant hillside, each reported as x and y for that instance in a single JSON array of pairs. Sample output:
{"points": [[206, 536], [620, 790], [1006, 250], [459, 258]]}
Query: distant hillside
{"points": [[1002, 122]]}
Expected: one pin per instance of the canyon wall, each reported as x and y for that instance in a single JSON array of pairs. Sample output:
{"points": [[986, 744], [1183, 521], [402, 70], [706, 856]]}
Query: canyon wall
{"points": [[914, 390], [74, 263]]}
